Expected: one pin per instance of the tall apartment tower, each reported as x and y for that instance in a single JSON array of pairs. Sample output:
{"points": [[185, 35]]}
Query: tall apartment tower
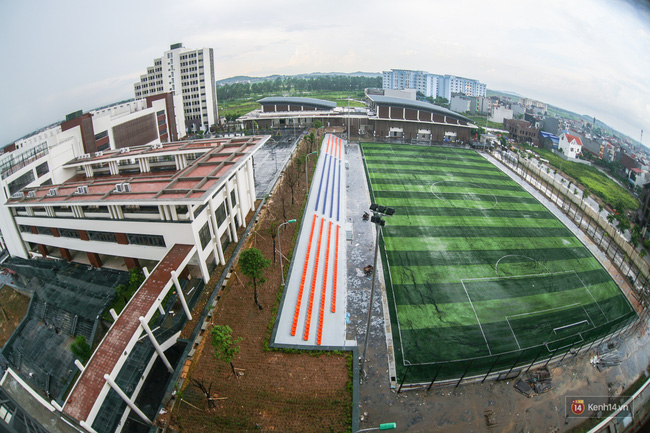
{"points": [[432, 84], [189, 73]]}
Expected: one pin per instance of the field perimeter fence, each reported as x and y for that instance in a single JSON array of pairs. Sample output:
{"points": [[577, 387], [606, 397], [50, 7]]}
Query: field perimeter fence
{"points": [[604, 235]]}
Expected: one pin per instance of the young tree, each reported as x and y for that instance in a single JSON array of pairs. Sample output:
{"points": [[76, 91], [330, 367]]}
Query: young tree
{"points": [[224, 347], [273, 232], [253, 263], [81, 349], [291, 178]]}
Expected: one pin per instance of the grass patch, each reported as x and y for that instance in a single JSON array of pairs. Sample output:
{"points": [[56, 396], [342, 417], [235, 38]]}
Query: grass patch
{"points": [[594, 180]]}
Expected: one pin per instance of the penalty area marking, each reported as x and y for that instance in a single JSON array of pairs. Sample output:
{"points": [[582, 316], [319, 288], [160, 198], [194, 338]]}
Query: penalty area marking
{"points": [[477, 319], [554, 329]]}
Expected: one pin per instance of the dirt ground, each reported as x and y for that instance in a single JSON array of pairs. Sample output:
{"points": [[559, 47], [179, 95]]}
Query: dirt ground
{"points": [[284, 391], [13, 307]]}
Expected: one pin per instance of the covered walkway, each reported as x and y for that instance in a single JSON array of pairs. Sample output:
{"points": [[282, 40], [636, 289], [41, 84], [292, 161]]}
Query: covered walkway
{"points": [[92, 387]]}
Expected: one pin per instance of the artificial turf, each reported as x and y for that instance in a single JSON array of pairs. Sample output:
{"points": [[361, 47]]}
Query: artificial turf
{"points": [[479, 273]]}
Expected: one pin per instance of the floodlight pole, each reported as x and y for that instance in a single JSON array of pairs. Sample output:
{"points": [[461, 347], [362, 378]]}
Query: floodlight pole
{"points": [[372, 295], [280, 247]]}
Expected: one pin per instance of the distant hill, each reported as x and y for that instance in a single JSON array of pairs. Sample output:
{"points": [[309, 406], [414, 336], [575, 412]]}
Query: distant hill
{"points": [[492, 92], [248, 79]]}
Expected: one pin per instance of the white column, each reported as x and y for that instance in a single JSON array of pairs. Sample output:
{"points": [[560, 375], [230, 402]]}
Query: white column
{"points": [[145, 271], [88, 169], [251, 181], [159, 351], [181, 296], [231, 217], [126, 399], [113, 314], [79, 365]]}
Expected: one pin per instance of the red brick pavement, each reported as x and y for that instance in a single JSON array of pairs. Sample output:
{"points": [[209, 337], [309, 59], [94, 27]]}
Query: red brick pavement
{"points": [[90, 383]]}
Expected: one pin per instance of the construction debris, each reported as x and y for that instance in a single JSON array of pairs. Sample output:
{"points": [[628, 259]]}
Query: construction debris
{"points": [[490, 419], [534, 383]]}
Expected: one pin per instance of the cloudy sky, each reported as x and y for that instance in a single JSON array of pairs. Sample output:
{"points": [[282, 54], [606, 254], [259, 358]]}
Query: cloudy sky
{"points": [[589, 56]]}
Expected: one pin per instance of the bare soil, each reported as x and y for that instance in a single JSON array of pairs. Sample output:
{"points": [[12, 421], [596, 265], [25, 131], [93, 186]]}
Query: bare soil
{"points": [[284, 391], [13, 307]]}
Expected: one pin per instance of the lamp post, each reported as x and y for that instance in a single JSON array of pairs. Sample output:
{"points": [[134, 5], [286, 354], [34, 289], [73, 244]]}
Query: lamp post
{"points": [[307, 168], [378, 213], [280, 247], [384, 426]]}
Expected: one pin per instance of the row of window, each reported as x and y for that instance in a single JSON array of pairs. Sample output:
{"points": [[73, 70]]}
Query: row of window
{"points": [[132, 238]]}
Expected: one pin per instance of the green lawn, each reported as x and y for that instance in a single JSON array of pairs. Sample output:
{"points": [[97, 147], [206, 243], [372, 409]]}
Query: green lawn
{"points": [[479, 273], [594, 180]]}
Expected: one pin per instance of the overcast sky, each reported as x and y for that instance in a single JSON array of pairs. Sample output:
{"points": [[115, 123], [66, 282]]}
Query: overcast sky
{"points": [[588, 56]]}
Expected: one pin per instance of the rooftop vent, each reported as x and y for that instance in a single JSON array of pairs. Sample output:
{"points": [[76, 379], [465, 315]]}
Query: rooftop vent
{"points": [[52, 192], [82, 189], [31, 194], [18, 194]]}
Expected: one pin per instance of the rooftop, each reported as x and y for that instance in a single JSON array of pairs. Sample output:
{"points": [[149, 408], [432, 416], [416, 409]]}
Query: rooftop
{"points": [[209, 163], [290, 100], [416, 105]]}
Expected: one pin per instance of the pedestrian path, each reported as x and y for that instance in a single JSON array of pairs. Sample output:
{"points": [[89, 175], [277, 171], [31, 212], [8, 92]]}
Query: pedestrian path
{"points": [[312, 312]]}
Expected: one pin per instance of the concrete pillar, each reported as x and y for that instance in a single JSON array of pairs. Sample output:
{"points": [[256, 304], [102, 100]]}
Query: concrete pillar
{"points": [[181, 296], [65, 253], [231, 218], [131, 263], [159, 351], [79, 365], [126, 399], [113, 314], [251, 181], [145, 271], [94, 259], [42, 249]]}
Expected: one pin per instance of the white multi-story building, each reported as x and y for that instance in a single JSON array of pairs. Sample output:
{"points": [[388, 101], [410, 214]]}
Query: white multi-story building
{"points": [[39, 160], [570, 145], [134, 204], [431, 84], [188, 73]]}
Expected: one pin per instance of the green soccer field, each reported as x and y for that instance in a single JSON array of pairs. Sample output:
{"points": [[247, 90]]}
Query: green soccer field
{"points": [[480, 275]]}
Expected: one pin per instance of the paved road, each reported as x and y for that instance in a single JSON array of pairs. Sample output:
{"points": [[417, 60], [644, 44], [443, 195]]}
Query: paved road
{"points": [[270, 160]]}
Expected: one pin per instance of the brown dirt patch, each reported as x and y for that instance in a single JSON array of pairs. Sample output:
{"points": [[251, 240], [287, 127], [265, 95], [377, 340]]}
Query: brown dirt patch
{"points": [[279, 391], [13, 307]]}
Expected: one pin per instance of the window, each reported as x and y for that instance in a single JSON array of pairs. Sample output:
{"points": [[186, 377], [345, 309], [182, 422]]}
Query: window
{"points": [[147, 240], [42, 169], [101, 236], [233, 197], [25, 229], [220, 214], [69, 233], [204, 235], [44, 231]]}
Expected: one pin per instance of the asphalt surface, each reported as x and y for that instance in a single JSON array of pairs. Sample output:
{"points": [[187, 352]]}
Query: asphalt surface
{"points": [[270, 160]]}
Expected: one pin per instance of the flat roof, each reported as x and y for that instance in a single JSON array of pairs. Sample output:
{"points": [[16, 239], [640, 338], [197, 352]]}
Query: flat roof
{"points": [[293, 100], [220, 158], [416, 105]]}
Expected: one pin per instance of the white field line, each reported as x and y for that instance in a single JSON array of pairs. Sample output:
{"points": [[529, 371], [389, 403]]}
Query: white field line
{"points": [[477, 319], [570, 325], [496, 200], [592, 297], [513, 333], [544, 311]]}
